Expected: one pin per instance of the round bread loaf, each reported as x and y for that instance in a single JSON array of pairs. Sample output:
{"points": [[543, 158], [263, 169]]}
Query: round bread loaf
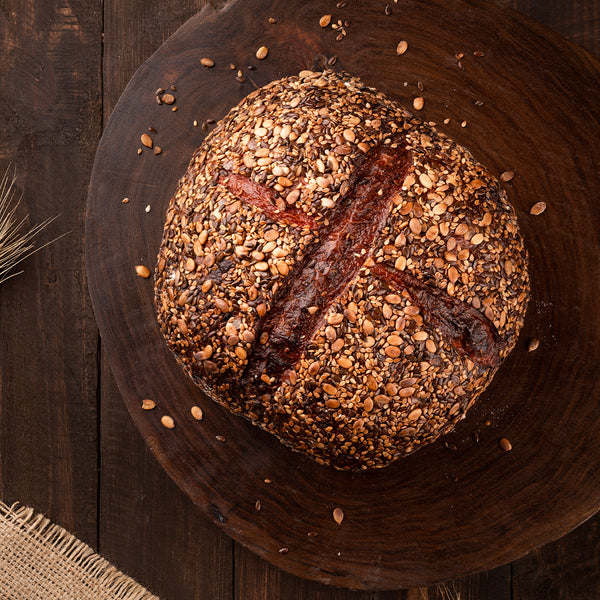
{"points": [[339, 272]]}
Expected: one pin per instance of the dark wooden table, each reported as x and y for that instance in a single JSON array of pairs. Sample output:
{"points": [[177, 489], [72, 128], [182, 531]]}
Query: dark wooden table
{"points": [[67, 444]]}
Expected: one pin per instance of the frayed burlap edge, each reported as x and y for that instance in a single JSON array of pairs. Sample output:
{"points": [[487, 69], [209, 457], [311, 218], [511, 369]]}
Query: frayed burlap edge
{"points": [[42, 561]]}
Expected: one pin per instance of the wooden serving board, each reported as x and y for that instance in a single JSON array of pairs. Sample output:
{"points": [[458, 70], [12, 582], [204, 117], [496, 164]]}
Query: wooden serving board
{"points": [[529, 104]]}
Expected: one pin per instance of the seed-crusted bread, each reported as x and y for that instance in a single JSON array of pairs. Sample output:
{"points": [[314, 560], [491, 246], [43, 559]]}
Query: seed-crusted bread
{"points": [[339, 272]]}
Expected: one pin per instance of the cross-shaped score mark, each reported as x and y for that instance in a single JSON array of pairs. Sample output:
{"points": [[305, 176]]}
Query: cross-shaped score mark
{"points": [[344, 244]]}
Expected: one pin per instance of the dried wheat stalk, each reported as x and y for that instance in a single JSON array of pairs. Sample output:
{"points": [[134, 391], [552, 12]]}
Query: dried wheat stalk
{"points": [[16, 241]]}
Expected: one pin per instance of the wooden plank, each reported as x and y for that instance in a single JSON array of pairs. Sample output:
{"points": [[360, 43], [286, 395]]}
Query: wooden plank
{"points": [[255, 579], [578, 20], [147, 525], [50, 124], [566, 569], [570, 567]]}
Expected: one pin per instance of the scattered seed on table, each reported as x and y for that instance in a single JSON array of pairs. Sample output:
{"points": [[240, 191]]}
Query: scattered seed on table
{"points": [[146, 140], [148, 208], [463, 124], [479, 53], [125, 200], [338, 515], [148, 404], [272, 20], [220, 438], [446, 121], [538, 208], [174, 109], [262, 52], [505, 445], [158, 100], [139, 151], [152, 130], [157, 149], [168, 98], [173, 88], [197, 413], [195, 123], [341, 4], [402, 47], [257, 505], [159, 92], [387, 10], [325, 20], [507, 175], [207, 62], [312, 534], [142, 271], [418, 103], [283, 550], [267, 481], [167, 421], [533, 344]]}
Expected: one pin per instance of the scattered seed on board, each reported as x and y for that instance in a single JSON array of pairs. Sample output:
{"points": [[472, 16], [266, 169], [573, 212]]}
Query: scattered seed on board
{"points": [[418, 103], [195, 123], [325, 20], [257, 505], [148, 208], [125, 200], [168, 99], [167, 421], [283, 550], [146, 140], [267, 481], [338, 515], [220, 438], [507, 175], [207, 62], [197, 413], [463, 124], [272, 20], [157, 149], [262, 52], [533, 344], [505, 445], [538, 208], [142, 271], [148, 404], [139, 151], [402, 47]]}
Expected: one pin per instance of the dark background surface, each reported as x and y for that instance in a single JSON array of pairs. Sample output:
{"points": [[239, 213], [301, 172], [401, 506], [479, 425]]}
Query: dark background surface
{"points": [[67, 444]]}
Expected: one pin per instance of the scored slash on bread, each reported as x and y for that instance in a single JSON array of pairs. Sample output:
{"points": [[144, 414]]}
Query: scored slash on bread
{"points": [[328, 267]]}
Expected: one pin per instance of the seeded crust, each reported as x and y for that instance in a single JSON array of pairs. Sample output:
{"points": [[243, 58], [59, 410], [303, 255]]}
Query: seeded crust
{"points": [[378, 379]]}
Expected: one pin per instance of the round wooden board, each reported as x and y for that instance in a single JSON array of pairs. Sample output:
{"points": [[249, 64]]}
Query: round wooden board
{"points": [[452, 508]]}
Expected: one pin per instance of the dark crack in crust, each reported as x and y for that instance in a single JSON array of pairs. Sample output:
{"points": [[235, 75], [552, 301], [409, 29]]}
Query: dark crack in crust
{"points": [[378, 379]]}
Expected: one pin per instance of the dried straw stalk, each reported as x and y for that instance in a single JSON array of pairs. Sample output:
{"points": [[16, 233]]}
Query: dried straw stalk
{"points": [[16, 241]]}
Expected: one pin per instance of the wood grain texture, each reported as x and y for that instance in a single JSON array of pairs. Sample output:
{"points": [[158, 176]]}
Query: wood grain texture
{"points": [[515, 513], [49, 124], [51, 109], [563, 570], [146, 524]]}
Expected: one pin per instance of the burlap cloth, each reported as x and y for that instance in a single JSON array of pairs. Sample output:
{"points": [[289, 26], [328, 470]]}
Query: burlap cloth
{"points": [[41, 561]]}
